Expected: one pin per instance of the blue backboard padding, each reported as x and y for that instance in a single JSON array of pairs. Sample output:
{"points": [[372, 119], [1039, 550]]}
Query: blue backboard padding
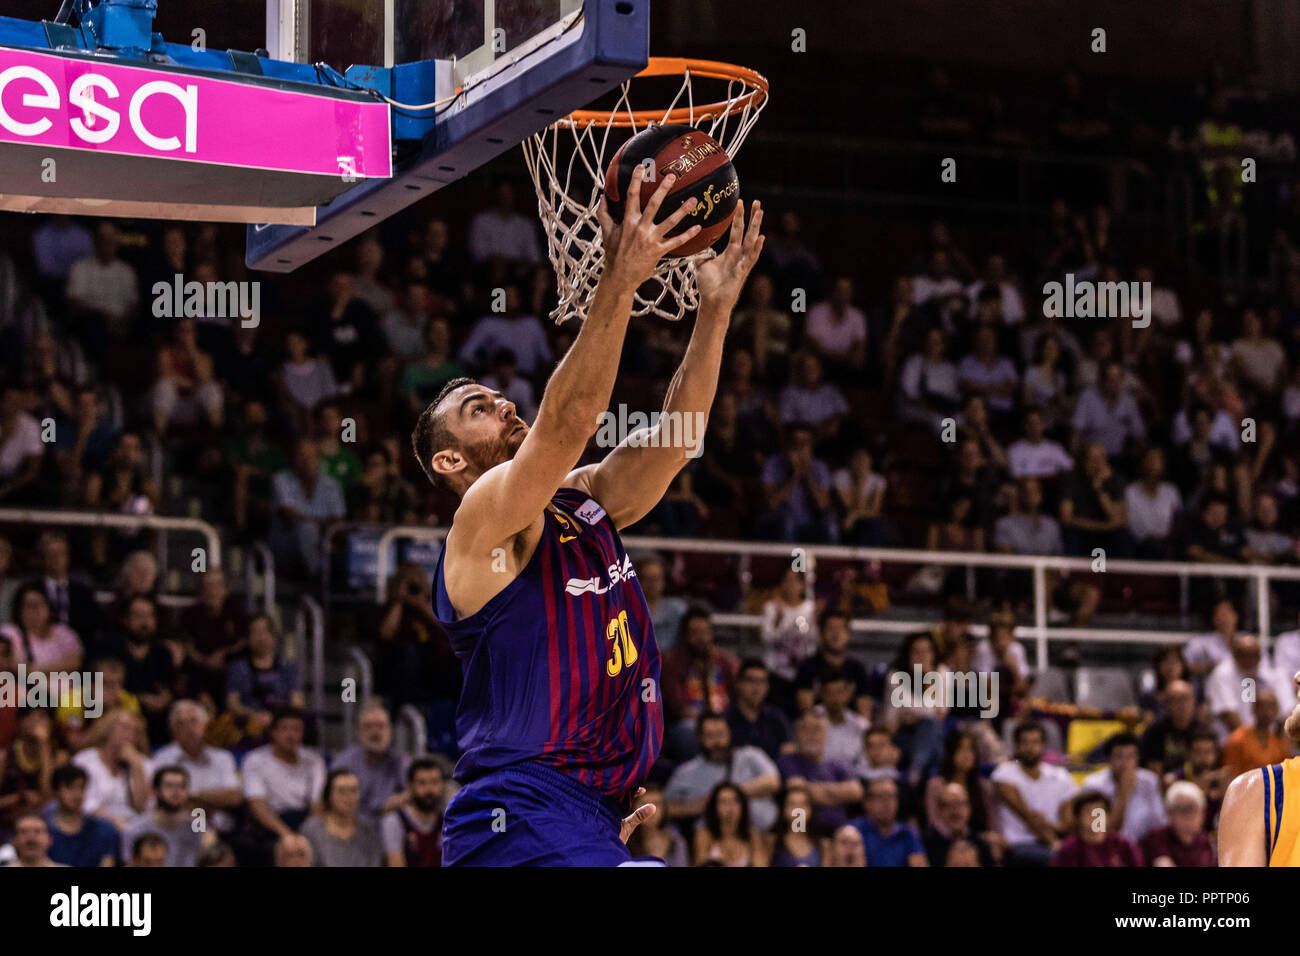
{"points": [[612, 46]]}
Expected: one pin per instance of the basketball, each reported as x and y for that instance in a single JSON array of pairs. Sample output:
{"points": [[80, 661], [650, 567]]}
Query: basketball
{"points": [[703, 170]]}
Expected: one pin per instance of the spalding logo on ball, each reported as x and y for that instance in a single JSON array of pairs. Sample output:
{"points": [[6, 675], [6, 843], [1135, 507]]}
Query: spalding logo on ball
{"points": [[703, 170]]}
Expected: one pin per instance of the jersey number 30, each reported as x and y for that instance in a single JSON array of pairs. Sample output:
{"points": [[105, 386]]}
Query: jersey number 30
{"points": [[621, 649]]}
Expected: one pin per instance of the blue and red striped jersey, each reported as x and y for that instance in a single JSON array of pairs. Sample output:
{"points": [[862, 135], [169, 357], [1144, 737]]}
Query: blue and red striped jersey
{"points": [[561, 667]]}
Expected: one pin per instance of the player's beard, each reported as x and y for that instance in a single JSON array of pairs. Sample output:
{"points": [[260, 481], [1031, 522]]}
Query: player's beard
{"points": [[493, 451], [1291, 727]]}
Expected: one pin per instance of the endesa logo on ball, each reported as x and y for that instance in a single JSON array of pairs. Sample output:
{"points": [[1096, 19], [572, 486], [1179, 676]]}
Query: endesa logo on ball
{"points": [[31, 103]]}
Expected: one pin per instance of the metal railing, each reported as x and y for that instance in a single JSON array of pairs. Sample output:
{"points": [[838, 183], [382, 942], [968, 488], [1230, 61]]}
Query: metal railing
{"points": [[309, 627], [259, 553], [113, 519], [411, 735], [1041, 632], [358, 666]]}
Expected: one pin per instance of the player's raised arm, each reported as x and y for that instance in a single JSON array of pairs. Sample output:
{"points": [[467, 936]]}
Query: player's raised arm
{"points": [[635, 475], [510, 496]]}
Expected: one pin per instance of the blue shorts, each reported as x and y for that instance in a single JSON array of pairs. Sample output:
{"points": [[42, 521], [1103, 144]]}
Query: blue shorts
{"points": [[529, 814]]}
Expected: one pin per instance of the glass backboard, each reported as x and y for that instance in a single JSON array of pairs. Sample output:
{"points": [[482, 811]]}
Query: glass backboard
{"points": [[467, 80], [344, 33]]}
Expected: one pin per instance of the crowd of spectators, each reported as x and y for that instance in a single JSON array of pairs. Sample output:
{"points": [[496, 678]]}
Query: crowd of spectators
{"points": [[949, 411]]}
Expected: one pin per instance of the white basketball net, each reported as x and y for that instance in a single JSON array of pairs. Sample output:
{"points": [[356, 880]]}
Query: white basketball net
{"points": [[567, 158]]}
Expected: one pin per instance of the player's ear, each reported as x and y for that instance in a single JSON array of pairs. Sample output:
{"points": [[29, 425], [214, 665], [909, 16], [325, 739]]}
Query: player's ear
{"points": [[448, 462]]}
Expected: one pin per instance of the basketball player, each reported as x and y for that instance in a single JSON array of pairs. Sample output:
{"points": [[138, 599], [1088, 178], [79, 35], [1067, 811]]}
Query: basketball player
{"points": [[560, 717], [1260, 821]]}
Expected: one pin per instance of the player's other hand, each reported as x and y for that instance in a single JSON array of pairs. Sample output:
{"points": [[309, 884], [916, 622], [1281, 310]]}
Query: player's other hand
{"points": [[720, 279], [634, 246], [637, 817]]}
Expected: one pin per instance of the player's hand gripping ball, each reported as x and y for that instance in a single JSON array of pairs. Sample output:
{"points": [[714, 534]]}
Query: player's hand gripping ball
{"points": [[703, 170]]}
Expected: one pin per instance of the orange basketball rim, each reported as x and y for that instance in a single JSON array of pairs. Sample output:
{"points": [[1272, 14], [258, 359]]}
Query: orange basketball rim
{"points": [[754, 84]]}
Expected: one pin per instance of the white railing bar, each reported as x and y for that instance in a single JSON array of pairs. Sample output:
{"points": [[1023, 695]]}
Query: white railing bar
{"points": [[105, 519], [411, 716], [904, 556], [365, 678], [1037, 564], [1023, 632], [263, 552]]}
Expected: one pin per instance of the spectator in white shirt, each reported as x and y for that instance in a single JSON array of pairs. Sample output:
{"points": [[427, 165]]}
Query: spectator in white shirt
{"points": [[513, 329], [504, 378], [500, 234], [1204, 653], [928, 387], [1233, 685], [1223, 431], [1286, 653], [1137, 805], [810, 400], [1035, 455], [940, 288], [21, 450], [1027, 530], [789, 629], [1270, 544], [986, 373], [105, 290], [1165, 310], [753, 771], [1152, 505], [1033, 797], [117, 784], [836, 330], [214, 780], [861, 492], [283, 781], [995, 277], [1258, 359], [403, 326], [1107, 414], [1045, 385], [845, 728]]}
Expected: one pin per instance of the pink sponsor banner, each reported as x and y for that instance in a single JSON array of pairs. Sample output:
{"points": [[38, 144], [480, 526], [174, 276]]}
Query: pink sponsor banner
{"points": [[60, 102]]}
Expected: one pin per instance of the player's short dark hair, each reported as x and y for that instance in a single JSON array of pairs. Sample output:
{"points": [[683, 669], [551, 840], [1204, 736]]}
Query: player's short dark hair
{"points": [[66, 775], [877, 730], [431, 433], [752, 664]]}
